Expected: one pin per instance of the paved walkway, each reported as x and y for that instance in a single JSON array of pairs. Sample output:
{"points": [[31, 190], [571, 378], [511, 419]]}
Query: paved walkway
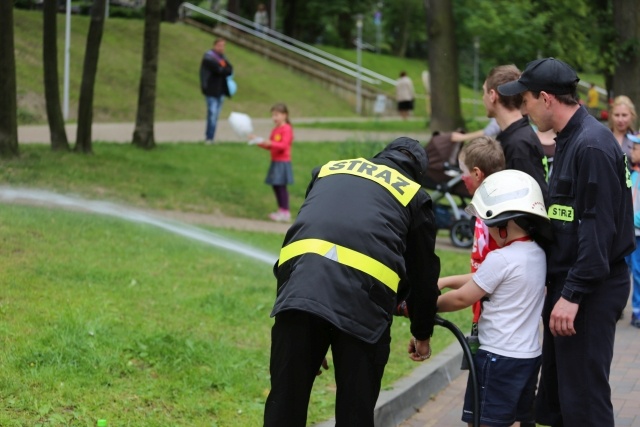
{"points": [[445, 408], [193, 131]]}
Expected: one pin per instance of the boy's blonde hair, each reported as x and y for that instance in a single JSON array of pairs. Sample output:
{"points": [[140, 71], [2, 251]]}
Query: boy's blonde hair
{"points": [[484, 153]]}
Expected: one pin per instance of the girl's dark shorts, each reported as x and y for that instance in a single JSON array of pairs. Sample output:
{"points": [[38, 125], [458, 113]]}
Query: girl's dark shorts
{"points": [[405, 105]]}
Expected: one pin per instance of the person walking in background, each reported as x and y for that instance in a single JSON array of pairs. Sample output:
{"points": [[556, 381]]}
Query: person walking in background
{"points": [[634, 258], [405, 95], [510, 284], [214, 69], [593, 101], [261, 18], [622, 121], [591, 214], [364, 237], [280, 172]]}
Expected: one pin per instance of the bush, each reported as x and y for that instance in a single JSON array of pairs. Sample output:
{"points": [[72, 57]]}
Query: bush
{"points": [[126, 12], [27, 4], [26, 117]]}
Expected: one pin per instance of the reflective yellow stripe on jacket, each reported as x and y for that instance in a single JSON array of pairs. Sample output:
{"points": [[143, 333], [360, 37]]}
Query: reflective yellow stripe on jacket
{"points": [[344, 256]]}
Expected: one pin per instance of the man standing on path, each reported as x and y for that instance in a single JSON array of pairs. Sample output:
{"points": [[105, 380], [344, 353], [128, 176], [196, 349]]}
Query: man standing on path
{"points": [[591, 213], [520, 144], [364, 237], [214, 70]]}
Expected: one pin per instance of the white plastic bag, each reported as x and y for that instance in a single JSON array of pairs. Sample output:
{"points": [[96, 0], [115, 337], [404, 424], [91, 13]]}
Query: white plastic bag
{"points": [[241, 124]]}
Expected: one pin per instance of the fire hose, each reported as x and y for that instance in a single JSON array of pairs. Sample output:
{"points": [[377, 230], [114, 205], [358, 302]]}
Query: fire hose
{"points": [[466, 350]]}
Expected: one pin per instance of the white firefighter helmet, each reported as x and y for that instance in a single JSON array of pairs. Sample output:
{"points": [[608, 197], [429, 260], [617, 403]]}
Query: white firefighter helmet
{"points": [[505, 195]]}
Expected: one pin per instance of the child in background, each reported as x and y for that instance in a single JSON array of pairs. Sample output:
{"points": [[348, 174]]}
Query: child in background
{"points": [[280, 172], [634, 258], [511, 285], [478, 159]]}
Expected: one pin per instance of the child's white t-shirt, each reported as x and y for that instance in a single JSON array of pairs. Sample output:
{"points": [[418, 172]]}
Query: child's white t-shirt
{"points": [[514, 279]]}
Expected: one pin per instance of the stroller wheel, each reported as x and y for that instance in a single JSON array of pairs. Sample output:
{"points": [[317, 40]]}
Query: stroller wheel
{"points": [[462, 233]]}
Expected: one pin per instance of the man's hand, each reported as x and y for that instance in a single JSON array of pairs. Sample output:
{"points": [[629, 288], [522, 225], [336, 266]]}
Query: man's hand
{"points": [[419, 351], [325, 365], [562, 317]]}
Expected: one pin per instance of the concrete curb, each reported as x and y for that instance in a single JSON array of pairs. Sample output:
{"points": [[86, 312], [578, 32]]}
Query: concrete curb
{"points": [[411, 393]]}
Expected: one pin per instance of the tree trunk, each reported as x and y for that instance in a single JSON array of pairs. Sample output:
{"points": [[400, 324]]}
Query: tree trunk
{"points": [[143, 136], [626, 19], [443, 66], [57, 131], [89, 71], [8, 99]]}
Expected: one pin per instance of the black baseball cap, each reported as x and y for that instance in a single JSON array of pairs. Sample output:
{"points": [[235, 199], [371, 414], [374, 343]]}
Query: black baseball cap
{"points": [[548, 74]]}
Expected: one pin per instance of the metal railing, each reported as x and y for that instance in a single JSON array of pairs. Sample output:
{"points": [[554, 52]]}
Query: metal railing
{"points": [[310, 48], [312, 56]]}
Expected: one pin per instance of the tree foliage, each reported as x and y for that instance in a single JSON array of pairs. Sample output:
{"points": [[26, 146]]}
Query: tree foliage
{"points": [[403, 23], [332, 23]]}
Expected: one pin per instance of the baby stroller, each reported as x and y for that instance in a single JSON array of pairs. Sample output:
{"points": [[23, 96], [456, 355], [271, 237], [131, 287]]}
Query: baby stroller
{"points": [[444, 181]]}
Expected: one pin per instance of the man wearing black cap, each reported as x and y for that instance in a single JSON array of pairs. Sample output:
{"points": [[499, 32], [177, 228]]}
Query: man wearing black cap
{"points": [[363, 239], [587, 279]]}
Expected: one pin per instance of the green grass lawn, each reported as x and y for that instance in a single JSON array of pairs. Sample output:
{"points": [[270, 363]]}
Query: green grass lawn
{"points": [[106, 319], [102, 318], [226, 178]]}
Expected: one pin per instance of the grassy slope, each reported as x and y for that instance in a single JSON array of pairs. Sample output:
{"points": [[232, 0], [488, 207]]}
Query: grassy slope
{"points": [[261, 83]]}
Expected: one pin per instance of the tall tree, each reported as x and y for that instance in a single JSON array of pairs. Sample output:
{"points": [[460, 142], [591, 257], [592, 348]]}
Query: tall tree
{"points": [[8, 100], [57, 131], [143, 135], [626, 18], [443, 66], [89, 71]]}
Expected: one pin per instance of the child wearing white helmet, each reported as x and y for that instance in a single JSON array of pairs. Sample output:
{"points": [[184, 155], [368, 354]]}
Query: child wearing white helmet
{"points": [[510, 282]]}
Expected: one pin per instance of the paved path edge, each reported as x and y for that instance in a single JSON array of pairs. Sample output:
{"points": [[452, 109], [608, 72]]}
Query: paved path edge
{"points": [[412, 392]]}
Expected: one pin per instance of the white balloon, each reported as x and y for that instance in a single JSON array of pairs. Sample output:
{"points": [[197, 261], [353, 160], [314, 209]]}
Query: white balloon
{"points": [[241, 124]]}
